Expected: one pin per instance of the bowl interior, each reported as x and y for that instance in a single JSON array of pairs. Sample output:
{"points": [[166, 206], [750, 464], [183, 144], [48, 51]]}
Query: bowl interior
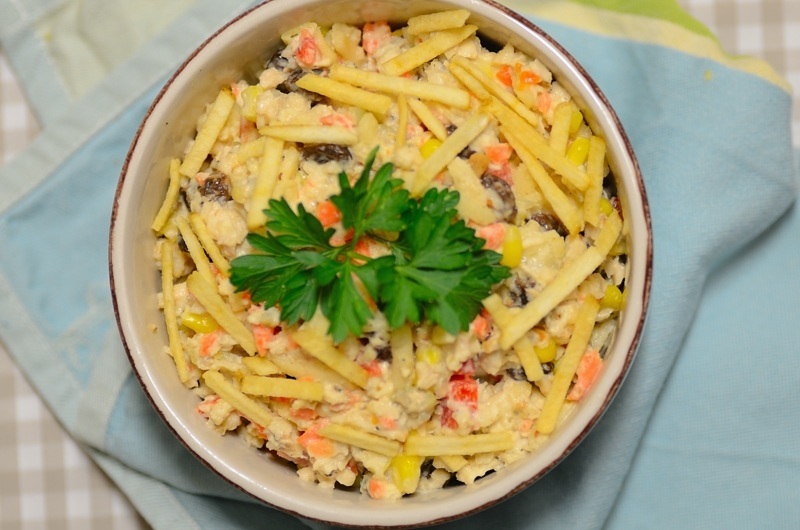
{"points": [[241, 47]]}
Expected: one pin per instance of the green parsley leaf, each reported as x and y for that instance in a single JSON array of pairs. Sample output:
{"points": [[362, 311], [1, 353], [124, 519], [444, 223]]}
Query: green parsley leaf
{"points": [[436, 268]]}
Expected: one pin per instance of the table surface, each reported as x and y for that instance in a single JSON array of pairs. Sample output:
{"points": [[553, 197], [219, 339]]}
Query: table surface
{"points": [[46, 479]]}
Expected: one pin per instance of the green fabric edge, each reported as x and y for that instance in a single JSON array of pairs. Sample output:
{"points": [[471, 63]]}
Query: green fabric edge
{"points": [[668, 10]]}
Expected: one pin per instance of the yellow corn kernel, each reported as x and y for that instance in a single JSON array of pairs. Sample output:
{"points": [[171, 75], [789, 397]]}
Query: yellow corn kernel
{"points": [[578, 150], [575, 122], [606, 207], [612, 298], [249, 96], [429, 354], [430, 145], [406, 472], [512, 247], [199, 322], [546, 349]]}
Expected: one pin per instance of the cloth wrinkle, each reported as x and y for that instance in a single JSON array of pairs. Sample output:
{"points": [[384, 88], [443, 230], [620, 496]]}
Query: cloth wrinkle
{"points": [[712, 203]]}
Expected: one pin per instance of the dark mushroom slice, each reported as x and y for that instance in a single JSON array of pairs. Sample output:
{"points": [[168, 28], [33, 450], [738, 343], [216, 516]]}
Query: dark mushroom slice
{"points": [[549, 221], [281, 63], [216, 187], [322, 153], [501, 197]]}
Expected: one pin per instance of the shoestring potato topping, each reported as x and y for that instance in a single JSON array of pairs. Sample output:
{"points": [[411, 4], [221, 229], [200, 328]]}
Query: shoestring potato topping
{"points": [[395, 258]]}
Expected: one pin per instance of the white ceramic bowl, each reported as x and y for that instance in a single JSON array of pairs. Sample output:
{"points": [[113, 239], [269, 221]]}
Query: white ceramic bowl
{"points": [[170, 123]]}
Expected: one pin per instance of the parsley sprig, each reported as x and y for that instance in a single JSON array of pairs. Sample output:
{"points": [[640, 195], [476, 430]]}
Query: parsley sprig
{"points": [[436, 270]]}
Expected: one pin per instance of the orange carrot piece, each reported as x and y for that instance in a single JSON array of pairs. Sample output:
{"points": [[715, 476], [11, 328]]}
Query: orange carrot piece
{"points": [[328, 214], [588, 369]]}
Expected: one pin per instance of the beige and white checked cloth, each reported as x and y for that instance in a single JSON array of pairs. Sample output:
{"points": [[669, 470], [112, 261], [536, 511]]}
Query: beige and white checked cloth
{"points": [[46, 480]]}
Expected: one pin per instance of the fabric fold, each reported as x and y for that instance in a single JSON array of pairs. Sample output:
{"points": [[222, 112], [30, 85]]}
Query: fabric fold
{"points": [[719, 175]]}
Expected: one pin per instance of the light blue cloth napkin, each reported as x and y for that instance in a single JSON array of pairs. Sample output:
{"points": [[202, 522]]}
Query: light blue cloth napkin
{"points": [[703, 433]]}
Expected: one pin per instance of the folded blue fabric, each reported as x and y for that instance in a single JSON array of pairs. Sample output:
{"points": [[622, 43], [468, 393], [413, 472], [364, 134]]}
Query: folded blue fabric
{"points": [[709, 433]]}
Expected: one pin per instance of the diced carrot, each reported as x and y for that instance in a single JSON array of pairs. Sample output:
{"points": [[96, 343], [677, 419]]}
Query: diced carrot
{"points": [[336, 118], [328, 214], [204, 407], [528, 78], [373, 35], [588, 369], [316, 445], [480, 327], [544, 102], [377, 488], [387, 422], [263, 335], [306, 52], [499, 153], [208, 343], [505, 75], [373, 368], [304, 413], [493, 234], [364, 246]]}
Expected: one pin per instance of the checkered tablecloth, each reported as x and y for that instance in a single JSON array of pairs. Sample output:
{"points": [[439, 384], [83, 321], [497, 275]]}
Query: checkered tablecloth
{"points": [[46, 480]]}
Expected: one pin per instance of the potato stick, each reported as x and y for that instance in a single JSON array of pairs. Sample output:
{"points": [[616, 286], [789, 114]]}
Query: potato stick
{"points": [[454, 144], [298, 364], [499, 312], [437, 21], [566, 281], [537, 145], [607, 238], [358, 438], [427, 50], [196, 251], [346, 93], [469, 82], [171, 197], [367, 128], [213, 303], [594, 171], [498, 90], [567, 365], [402, 344], [202, 233], [256, 385], [290, 166], [447, 445], [451, 463], [528, 358], [170, 317], [208, 133], [268, 173], [448, 95], [428, 118], [564, 207], [252, 149], [559, 131], [247, 407], [320, 346], [311, 134], [473, 205], [402, 122], [261, 366]]}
